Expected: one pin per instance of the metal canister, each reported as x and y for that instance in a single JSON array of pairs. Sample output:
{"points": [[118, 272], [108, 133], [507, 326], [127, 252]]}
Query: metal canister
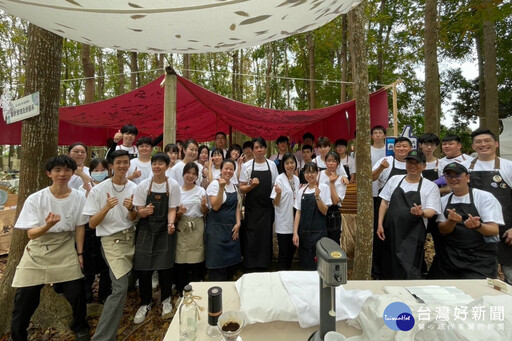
{"points": [[214, 305]]}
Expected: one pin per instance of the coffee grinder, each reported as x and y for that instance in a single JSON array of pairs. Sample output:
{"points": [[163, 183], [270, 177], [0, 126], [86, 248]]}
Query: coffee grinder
{"points": [[332, 269]]}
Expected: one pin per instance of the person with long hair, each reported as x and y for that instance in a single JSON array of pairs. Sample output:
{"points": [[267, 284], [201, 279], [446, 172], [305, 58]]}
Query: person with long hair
{"points": [[78, 152], [310, 225], [173, 151], [203, 159], [190, 248], [256, 182], [283, 195], [223, 223]]}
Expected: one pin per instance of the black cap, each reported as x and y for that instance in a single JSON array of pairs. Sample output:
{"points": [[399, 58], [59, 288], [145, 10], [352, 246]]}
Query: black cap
{"points": [[455, 167], [416, 155]]}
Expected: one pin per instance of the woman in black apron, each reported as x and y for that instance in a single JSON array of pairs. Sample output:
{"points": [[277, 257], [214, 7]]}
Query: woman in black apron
{"points": [[259, 211], [155, 245], [222, 243], [310, 224]]}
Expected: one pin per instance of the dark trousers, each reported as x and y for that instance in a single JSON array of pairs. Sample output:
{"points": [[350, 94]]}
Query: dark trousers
{"points": [[104, 289], [146, 290], [286, 251], [378, 245], [26, 301], [186, 273], [222, 274]]}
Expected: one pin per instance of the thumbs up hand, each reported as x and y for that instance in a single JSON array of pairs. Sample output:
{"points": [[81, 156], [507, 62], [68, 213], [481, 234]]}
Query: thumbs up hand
{"points": [[111, 202], [136, 173], [149, 209], [128, 203], [118, 136]]}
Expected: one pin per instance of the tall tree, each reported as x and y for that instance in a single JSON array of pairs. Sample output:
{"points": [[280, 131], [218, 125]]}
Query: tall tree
{"points": [[120, 72], [134, 67], [88, 66], [312, 71], [364, 240], [432, 91], [43, 68]]}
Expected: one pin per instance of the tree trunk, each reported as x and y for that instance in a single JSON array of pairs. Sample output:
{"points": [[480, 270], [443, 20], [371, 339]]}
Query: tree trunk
{"points": [[134, 67], [432, 91], [344, 58], [481, 79], [43, 68], [268, 71], [120, 71], [88, 66], [100, 92], [186, 66], [364, 240], [491, 78], [311, 67]]}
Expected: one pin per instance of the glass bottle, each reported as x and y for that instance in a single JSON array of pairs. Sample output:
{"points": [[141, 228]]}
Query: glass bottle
{"points": [[188, 316]]}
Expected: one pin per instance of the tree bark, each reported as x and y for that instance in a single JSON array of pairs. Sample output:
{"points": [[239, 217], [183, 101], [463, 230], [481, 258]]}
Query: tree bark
{"points": [[311, 68], [134, 67], [100, 92], [344, 58], [432, 90], [88, 66], [43, 70], [364, 240], [186, 66], [491, 78], [481, 79], [120, 71], [268, 71]]}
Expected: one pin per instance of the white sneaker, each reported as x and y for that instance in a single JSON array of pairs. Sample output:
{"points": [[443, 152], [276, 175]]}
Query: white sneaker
{"points": [[141, 314], [166, 308]]}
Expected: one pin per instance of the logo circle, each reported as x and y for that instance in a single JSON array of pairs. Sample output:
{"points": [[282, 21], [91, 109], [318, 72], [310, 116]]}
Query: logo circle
{"points": [[398, 316]]}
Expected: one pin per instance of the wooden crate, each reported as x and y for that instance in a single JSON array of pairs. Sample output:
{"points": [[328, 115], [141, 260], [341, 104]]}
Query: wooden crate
{"points": [[6, 227]]}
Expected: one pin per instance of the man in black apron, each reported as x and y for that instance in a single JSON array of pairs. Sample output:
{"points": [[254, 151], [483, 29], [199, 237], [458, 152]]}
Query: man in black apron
{"points": [[494, 174], [452, 149], [381, 172], [402, 228], [467, 228]]}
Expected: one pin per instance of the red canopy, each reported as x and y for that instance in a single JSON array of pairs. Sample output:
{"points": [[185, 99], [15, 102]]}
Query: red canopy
{"points": [[200, 114]]}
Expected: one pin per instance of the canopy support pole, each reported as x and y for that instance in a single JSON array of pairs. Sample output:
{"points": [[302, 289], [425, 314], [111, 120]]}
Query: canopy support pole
{"points": [[395, 105], [170, 83]]}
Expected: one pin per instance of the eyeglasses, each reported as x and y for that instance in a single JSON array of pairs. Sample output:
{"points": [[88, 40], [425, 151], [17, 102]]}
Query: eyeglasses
{"points": [[453, 176], [488, 140]]}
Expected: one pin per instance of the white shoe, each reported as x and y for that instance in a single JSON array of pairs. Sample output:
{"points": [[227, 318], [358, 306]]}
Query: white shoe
{"points": [[141, 314], [166, 308]]}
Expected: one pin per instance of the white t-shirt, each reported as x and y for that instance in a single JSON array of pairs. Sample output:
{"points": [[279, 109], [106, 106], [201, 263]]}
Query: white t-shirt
{"points": [[141, 193], [116, 219], [191, 200], [176, 173], [341, 188], [76, 181], [429, 192], [319, 162], [144, 167], [325, 195], [350, 161], [383, 177], [432, 165], [216, 173], [377, 154], [131, 150], [284, 212], [245, 174], [213, 190], [462, 159], [505, 168], [39, 204], [486, 204]]}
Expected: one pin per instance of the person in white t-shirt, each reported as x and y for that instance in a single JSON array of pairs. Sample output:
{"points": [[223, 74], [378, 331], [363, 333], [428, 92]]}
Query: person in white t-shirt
{"points": [[112, 213], [452, 149], [128, 133], [324, 146], [190, 151], [283, 194], [310, 225], [308, 139], [347, 162], [140, 167], [52, 217]]}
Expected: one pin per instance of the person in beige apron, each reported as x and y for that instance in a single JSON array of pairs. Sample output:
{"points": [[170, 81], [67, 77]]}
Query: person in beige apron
{"points": [[112, 213], [156, 200], [53, 220], [190, 248]]}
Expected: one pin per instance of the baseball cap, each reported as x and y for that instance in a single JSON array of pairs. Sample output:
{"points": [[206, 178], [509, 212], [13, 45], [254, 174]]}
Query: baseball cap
{"points": [[416, 155], [455, 167]]}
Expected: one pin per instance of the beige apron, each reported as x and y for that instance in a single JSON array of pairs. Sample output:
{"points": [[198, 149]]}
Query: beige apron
{"points": [[50, 258], [119, 249], [190, 245]]}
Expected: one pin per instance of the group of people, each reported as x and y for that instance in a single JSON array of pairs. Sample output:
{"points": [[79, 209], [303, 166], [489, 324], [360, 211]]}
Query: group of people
{"points": [[463, 201], [191, 211]]}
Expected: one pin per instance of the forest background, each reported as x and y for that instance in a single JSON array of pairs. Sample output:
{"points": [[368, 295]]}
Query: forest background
{"points": [[313, 70]]}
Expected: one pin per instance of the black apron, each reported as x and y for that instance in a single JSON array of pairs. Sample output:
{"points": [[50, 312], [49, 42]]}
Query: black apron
{"points": [[432, 174], [155, 249], [491, 181], [220, 249], [259, 217], [347, 169], [312, 227], [405, 236], [378, 245], [465, 254], [93, 260]]}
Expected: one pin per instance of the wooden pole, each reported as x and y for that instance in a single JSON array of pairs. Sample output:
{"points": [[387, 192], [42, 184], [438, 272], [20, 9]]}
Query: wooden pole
{"points": [[170, 106]]}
